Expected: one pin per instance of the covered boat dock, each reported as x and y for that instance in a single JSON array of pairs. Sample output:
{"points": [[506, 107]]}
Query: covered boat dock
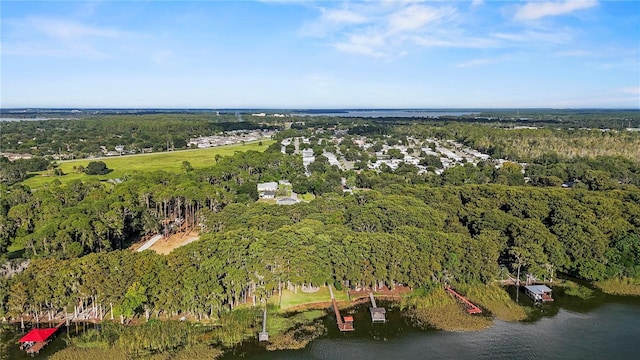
{"points": [[378, 314], [36, 339], [539, 293]]}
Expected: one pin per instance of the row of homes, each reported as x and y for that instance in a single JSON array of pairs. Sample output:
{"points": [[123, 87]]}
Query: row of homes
{"points": [[230, 138]]}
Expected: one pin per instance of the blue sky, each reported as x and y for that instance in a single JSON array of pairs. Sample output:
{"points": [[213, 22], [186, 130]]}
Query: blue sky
{"points": [[320, 54]]}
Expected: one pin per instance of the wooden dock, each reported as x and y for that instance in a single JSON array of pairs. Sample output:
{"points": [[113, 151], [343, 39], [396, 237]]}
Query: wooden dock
{"points": [[471, 308], [36, 348], [347, 323], [378, 314]]}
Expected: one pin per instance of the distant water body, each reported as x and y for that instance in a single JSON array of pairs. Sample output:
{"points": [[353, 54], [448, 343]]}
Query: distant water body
{"points": [[28, 119], [45, 114], [388, 113]]}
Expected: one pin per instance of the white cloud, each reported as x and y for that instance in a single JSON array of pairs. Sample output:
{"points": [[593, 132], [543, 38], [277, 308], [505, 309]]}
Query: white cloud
{"points": [[415, 17], [389, 28], [334, 20], [343, 16], [534, 10], [363, 44], [534, 37], [378, 29], [43, 36], [454, 40], [574, 53], [60, 29], [476, 3]]}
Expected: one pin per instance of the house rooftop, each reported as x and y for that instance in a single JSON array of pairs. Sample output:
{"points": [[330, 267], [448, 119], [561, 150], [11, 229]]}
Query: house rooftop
{"points": [[268, 186]]}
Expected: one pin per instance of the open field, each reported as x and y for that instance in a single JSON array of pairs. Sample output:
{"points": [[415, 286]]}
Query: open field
{"points": [[123, 165], [165, 246]]}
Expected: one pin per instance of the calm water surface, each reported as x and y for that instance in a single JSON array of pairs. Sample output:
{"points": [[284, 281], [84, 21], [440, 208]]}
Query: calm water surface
{"points": [[389, 113], [602, 328]]}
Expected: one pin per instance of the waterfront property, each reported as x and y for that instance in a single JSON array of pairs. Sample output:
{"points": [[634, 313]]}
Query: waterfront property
{"points": [[538, 293]]}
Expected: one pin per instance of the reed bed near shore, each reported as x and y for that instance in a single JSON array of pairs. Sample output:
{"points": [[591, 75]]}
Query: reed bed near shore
{"points": [[435, 308], [624, 286], [496, 300]]}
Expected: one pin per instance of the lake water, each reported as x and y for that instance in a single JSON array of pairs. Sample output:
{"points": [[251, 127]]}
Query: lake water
{"points": [[389, 113], [605, 327]]}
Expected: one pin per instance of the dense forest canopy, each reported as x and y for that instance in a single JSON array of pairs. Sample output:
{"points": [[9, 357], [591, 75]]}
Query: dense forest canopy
{"points": [[413, 235], [468, 224]]}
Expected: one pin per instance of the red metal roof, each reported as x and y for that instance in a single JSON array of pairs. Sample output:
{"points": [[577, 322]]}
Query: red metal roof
{"points": [[38, 335], [348, 318]]}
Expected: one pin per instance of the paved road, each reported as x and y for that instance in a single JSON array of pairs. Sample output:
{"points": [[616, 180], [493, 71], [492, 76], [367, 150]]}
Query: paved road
{"points": [[149, 243]]}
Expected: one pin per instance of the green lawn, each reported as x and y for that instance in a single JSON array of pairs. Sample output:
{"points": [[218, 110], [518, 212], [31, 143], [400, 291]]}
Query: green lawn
{"points": [[307, 196], [123, 165], [290, 299]]}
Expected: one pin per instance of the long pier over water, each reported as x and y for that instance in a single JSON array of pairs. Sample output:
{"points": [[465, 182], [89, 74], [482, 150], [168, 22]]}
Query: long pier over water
{"points": [[345, 324]]}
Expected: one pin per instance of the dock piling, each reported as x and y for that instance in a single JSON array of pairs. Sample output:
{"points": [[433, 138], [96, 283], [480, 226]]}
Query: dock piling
{"points": [[264, 335]]}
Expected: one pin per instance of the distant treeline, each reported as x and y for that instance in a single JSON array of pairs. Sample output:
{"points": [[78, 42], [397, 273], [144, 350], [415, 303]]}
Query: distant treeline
{"points": [[83, 137]]}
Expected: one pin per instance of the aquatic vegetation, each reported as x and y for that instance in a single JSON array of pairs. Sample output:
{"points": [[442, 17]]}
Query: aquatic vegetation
{"points": [[298, 337], [574, 289], [74, 353], [495, 299], [624, 286], [115, 353], [435, 308], [279, 323]]}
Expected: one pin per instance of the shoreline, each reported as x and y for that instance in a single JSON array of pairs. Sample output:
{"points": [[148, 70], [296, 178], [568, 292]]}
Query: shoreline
{"points": [[295, 327]]}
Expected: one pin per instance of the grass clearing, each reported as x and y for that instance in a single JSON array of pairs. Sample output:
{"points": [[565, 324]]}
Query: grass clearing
{"points": [[291, 299], [170, 161], [307, 196]]}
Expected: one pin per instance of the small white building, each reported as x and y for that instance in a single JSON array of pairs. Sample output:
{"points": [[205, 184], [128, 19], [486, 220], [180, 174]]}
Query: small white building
{"points": [[267, 190]]}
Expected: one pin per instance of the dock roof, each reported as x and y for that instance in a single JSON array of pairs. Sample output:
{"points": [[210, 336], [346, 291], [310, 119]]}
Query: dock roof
{"points": [[38, 335], [538, 289]]}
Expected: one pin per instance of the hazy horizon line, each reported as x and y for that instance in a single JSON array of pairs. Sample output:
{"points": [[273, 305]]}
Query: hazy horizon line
{"points": [[316, 108]]}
